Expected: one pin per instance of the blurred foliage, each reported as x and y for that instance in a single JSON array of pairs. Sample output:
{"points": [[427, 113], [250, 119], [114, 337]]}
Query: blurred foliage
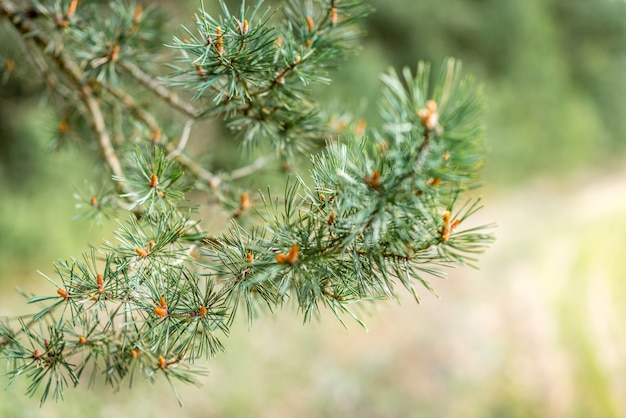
{"points": [[36, 195], [553, 73]]}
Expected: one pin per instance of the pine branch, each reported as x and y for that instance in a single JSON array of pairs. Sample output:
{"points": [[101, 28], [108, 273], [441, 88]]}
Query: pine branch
{"points": [[382, 208]]}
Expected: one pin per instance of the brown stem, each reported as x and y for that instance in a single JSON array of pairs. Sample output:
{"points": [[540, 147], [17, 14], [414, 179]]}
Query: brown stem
{"points": [[139, 113], [280, 76], [252, 168], [182, 143], [326, 16], [146, 117], [160, 91], [104, 140]]}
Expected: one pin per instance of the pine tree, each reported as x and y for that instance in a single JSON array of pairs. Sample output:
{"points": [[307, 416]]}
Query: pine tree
{"points": [[380, 206]]}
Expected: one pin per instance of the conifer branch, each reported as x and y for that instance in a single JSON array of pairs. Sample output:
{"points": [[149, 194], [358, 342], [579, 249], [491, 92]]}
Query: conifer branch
{"points": [[381, 208]]}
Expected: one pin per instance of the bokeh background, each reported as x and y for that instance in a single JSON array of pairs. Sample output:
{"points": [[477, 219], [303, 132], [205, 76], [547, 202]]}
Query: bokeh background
{"points": [[538, 331]]}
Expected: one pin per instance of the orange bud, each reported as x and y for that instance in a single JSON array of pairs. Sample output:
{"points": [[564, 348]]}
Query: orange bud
{"points": [[446, 217], [445, 229], [134, 353], [374, 180], [141, 252], [429, 116], [137, 16], [82, 340], [154, 180], [162, 363], [10, 65], [309, 23], [116, 53], [100, 282], [219, 42], [63, 127], [63, 293], [249, 258], [72, 9], [160, 312], [202, 311], [200, 70], [293, 254], [156, 135], [244, 202], [93, 201], [333, 16], [289, 258]]}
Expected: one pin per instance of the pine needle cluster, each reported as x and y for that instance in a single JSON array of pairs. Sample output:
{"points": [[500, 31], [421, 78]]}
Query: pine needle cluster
{"points": [[381, 207]]}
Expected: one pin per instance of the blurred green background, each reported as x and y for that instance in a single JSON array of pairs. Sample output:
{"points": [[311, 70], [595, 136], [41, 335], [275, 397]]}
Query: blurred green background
{"points": [[537, 332]]}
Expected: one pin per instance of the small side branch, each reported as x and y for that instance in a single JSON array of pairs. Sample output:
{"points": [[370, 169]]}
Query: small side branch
{"points": [[104, 140], [184, 137], [160, 91], [128, 102], [175, 152], [252, 168]]}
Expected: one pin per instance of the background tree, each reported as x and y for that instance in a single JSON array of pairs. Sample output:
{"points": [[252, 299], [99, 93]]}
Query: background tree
{"points": [[546, 61]]}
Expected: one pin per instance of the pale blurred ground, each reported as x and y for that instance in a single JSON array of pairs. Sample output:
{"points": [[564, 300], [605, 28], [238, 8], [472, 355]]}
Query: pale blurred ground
{"points": [[537, 331]]}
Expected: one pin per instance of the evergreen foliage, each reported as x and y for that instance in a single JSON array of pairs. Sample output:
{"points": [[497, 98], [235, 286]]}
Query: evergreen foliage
{"points": [[379, 207]]}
